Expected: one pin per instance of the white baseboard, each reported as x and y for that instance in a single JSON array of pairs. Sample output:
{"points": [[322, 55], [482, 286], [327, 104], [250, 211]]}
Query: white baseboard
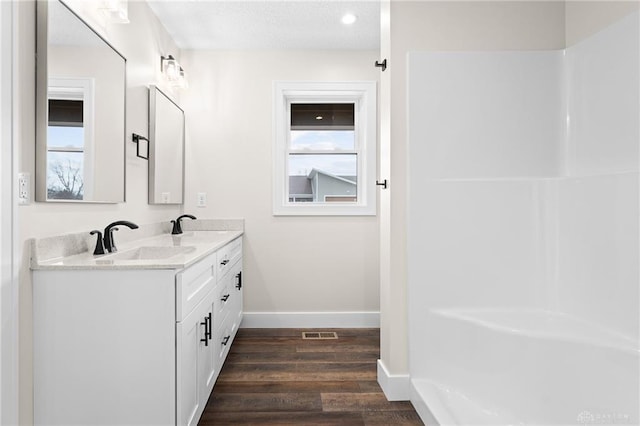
{"points": [[311, 320], [396, 387], [419, 403]]}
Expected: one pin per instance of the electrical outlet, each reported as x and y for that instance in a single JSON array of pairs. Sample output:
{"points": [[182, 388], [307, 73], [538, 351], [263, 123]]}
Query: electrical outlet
{"points": [[165, 197], [24, 188], [202, 199]]}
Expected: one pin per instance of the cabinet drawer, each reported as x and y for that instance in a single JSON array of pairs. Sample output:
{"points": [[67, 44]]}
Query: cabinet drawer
{"points": [[229, 256], [224, 300], [225, 337], [193, 284]]}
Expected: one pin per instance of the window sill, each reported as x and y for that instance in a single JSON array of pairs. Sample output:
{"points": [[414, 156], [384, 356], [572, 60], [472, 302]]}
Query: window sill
{"points": [[324, 210]]}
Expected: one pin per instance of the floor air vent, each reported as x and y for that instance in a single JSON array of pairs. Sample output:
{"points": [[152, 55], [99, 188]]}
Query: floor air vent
{"points": [[319, 335]]}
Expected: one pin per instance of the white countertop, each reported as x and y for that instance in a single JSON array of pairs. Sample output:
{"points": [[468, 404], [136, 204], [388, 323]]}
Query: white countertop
{"points": [[164, 251]]}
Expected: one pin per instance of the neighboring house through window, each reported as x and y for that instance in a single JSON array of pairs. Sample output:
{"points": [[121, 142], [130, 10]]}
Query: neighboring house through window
{"points": [[324, 148]]}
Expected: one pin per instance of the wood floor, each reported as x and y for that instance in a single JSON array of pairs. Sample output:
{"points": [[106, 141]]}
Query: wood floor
{"points": [[274, 377]]}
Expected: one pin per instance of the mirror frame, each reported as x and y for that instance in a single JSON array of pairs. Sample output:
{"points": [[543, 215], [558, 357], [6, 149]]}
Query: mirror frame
{"points": [[154, 92], [42, 98]]}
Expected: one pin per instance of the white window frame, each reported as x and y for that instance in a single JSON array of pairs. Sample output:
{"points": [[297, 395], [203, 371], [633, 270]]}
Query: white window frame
{"points": [[78, 89], [363, 95]]}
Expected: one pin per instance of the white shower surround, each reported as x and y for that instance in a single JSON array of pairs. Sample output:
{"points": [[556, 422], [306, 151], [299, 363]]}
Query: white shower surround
{"points": [[528, 366], [523, 233]]}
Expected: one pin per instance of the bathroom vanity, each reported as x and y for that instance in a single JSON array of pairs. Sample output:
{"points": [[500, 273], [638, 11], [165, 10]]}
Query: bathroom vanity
{"points": [[138, 336]]}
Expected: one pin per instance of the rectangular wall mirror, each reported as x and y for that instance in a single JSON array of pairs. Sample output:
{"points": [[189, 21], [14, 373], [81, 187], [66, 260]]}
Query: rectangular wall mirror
{"points": [[80, 111], [166, 149]]}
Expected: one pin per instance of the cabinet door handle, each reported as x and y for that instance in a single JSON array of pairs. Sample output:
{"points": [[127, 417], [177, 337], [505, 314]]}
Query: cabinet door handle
{"points": [[225, 340], [239, 278], [225, 297], [224, 262], [206, 331]]}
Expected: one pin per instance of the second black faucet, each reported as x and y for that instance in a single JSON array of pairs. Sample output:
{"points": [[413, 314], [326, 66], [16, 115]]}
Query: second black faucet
{"points": [[177, 229], [109, 243]]}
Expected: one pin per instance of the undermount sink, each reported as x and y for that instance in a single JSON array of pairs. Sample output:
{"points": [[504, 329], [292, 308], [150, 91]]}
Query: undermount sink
{"points": [[152, 253]]}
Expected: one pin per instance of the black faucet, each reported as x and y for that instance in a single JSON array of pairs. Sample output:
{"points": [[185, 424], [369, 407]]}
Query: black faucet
{"points": [[99, 243], [109, 244], [177, 229]]}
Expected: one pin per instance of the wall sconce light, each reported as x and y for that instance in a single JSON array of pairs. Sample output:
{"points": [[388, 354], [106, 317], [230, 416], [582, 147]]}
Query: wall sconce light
{"points": [[182, 80], [173, 72], [116, 11]]}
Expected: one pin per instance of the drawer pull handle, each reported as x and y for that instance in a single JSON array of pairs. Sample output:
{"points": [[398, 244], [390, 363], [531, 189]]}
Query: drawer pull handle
{"points": [[209, 332], [239, 278], [224, 262], [206, 331], [225, 297], [225, 340]]}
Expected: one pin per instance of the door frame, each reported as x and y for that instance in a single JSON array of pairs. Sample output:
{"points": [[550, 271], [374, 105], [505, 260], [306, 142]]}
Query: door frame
{"points": [[8, 222]]}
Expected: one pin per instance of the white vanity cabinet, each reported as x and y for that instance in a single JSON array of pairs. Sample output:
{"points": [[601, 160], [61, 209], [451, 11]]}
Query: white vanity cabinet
{"points": [[133, 346], [196, 363], [227, 315]]}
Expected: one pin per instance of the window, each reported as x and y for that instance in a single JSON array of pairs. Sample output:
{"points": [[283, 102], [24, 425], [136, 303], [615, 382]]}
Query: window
{"points": [[324, 148], [69, 138]]}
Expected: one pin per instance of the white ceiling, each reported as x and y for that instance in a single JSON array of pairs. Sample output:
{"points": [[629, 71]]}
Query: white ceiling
{"points": [[269, 24]]}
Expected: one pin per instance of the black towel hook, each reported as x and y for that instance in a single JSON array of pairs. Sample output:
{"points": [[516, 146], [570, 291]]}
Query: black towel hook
{"points": [[382, 64]]}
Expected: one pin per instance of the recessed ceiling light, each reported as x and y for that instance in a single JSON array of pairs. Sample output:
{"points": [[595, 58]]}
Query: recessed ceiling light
{"points": [[349, 19], [319, 117]]}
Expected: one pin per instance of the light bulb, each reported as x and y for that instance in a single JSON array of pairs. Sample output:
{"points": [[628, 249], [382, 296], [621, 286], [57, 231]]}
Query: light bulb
{"points": [[349, 19]]}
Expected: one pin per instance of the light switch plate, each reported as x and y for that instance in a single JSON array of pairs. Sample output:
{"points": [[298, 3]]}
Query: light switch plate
{"points": [[165, 197], [202, 199]]}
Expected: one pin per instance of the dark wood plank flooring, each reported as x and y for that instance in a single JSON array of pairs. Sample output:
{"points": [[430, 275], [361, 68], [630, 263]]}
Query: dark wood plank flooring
{"points": [[274, 377]]}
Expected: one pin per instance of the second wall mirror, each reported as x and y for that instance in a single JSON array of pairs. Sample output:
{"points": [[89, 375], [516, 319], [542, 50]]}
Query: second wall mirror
{"points": [[166, 149]]}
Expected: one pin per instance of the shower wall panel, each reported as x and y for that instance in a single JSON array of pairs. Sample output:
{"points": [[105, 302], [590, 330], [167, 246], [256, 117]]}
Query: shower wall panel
{"points": [[486, 114]]}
